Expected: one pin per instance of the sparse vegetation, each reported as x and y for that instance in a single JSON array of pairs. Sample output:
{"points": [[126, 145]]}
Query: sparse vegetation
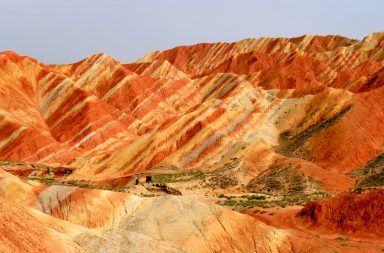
{"points": [[245, 201], [254, 197], [46, 180], [371, 174], [184, 176], [282, 180], [79, 184], [266, 201], [222, 177], [293, 143]]}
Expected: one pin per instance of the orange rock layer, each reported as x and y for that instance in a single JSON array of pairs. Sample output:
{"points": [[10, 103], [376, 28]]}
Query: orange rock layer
{"points": [[354, 213], [310, 106], [305, 98]]}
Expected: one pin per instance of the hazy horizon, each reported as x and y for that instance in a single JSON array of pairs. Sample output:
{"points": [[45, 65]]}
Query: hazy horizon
{"points": [[67, 31]]}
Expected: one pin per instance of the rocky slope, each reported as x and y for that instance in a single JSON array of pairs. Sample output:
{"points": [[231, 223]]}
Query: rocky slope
{"points": [[190, 106], [288, 119], [108, 220], [348, 213]]}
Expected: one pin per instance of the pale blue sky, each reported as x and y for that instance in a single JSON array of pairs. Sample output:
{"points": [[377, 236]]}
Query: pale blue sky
{"points": [[60, 31]]}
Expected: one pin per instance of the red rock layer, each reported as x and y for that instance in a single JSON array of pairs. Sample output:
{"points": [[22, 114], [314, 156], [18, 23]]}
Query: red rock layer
{"points": [[353, 213], [189, 106]]}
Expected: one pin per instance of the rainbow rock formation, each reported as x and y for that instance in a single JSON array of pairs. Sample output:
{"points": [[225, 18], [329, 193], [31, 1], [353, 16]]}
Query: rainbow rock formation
{"points": [[288, 118]]}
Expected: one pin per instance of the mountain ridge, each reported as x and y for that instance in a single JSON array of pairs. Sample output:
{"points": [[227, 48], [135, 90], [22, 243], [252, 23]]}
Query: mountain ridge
{"points": [[101, 72], [256, 145]]}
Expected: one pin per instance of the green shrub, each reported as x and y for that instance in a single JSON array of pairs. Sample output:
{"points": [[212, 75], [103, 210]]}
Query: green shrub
{"points": [[256, 197], [230, 202]]}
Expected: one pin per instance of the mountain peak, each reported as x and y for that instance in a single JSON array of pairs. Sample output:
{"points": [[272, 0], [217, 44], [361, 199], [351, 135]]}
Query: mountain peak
{"points": [[259, 127]]}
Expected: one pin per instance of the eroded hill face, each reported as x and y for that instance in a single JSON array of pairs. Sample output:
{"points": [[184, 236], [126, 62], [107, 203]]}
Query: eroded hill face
{"points": [[268, 122], [90, 220], [192, 105]]}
